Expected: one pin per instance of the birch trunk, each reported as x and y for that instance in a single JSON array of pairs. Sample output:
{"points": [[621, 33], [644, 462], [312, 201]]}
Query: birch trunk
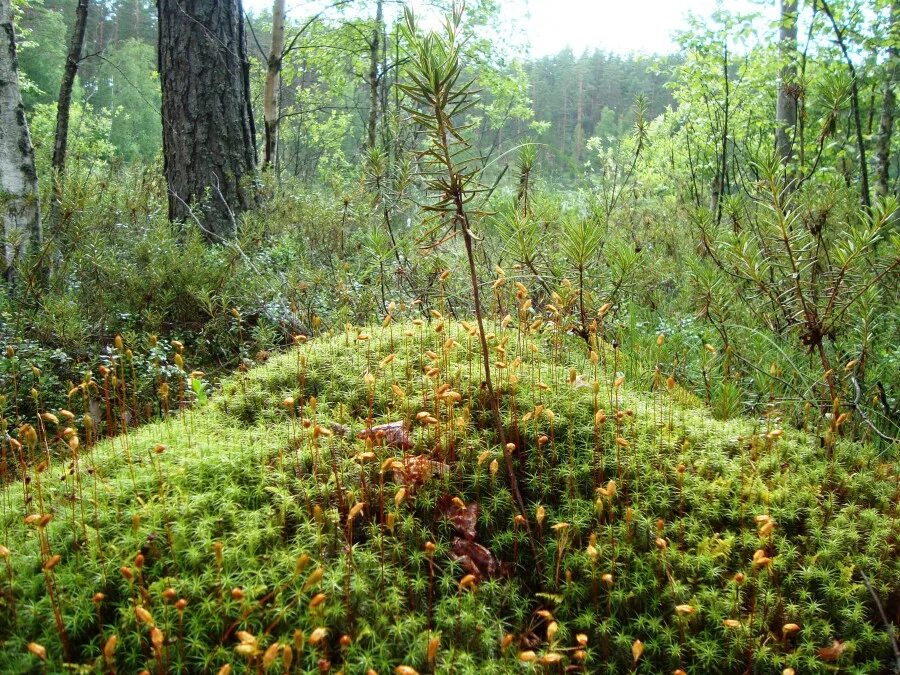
{"points": [[20, 217], [273, 76]]}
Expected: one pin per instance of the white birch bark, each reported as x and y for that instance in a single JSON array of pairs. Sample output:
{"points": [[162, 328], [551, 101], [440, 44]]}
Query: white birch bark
{"points": [[20, 218]]}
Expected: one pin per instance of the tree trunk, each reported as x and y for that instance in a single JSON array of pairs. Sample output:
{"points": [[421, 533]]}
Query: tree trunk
{"points": [[20, 219], [886, 125], [786, 104], [209, 140], [374, 47], [564, 133], [137, 19], [273, 76], [864, 197], [384, 82], [720, 182], [64, 103], [579, 117]]}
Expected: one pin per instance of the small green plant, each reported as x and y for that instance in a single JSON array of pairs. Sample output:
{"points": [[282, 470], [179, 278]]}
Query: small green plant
{"points": [[440, 97]]}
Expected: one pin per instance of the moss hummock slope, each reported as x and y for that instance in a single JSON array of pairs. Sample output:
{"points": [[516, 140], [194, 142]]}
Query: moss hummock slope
{"points": [[260, 531]]}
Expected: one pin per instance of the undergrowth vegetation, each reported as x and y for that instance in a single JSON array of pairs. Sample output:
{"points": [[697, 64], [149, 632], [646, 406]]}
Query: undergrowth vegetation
{"points": [[342, 507], [433, 409]]}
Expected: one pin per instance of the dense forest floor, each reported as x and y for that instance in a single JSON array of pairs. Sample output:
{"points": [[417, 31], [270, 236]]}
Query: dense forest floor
{"points": [[280, 525]]}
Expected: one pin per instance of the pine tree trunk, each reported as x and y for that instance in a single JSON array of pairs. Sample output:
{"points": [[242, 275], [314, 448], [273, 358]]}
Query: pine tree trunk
{"points": [[564, 133], [579, 117], [384, 82], [64, 104], [209, 139], [886, 124], [786, 104], [20, 219], [273, 75]]}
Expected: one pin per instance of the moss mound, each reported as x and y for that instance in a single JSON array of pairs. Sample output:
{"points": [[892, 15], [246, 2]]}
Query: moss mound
{"points": [[273, 528]]}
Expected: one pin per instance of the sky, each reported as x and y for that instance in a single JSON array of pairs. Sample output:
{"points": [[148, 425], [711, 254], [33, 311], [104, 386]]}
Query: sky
{"points": [[620, 26]]}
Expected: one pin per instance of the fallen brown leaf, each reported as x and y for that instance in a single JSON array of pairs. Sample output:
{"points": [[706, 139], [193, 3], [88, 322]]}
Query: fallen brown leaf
{"points": [[834, 652]]}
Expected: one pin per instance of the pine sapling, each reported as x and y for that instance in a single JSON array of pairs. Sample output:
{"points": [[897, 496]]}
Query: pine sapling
{"points": [[438, 99]]}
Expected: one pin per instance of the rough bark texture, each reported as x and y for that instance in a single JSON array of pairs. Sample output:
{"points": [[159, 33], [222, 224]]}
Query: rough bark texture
{"points": [[64, 102], [786, 104], [886, 124], [20, 218], [209, 144], [273, 76]]}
